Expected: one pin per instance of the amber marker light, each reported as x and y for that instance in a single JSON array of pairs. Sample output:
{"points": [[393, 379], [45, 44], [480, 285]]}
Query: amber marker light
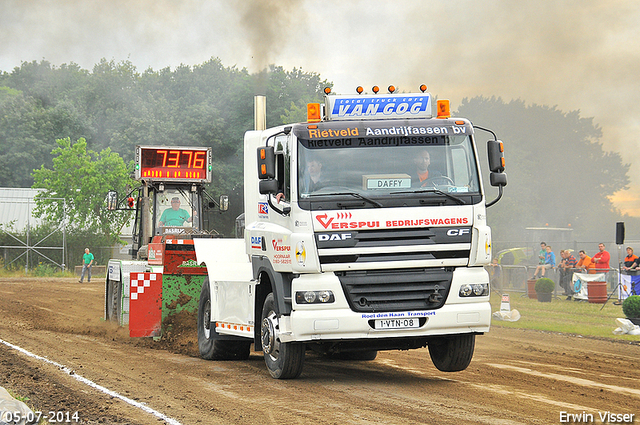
{"points": [[375, 89], [359, 89], [327, 90], [263, 153], [391, 89], [313, 112], [423, 88]]}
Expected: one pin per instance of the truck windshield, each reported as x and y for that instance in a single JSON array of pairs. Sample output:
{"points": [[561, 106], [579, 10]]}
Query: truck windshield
{"points": [[387, 160]]}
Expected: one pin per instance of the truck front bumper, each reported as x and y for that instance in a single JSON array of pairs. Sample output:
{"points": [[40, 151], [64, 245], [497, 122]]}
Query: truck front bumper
{"points": [[337, 321], [346, 324]]}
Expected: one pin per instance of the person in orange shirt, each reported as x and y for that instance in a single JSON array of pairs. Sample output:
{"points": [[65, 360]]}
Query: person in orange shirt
{"points": [[585, 264], [631, 260], [424, 177]]}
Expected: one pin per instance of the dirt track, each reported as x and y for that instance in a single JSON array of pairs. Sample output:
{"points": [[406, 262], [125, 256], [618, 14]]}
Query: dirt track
{"points": [[516, 377]]}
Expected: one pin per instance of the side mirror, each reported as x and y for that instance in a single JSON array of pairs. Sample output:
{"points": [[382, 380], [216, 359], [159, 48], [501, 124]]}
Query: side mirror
{"points": [[112, 200], [224, 202], [268, 187], [498, 179], [495, 151]]}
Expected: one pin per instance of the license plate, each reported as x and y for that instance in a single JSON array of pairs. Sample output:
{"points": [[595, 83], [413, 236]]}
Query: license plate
{"points": [[397, 323]]}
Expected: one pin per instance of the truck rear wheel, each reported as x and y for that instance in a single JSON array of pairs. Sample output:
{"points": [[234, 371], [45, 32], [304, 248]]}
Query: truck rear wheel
{"points": [[210, 347], [452, 353], [284, 360], [112, 302]]}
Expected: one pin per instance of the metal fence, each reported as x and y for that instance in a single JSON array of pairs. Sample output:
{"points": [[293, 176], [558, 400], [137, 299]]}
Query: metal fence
{"points": [[513, 278], [22, 244], [524, 259]]}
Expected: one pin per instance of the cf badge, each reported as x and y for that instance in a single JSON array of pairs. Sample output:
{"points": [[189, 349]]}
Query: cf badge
{"points": [[301, 254]]}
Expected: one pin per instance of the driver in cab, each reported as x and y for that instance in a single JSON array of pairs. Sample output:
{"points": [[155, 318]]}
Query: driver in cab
{"points": [[422, 161], [174, 216]]}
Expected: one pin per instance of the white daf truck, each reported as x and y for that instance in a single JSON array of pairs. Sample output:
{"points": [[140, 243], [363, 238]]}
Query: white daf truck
{"points": [[365, 230]]}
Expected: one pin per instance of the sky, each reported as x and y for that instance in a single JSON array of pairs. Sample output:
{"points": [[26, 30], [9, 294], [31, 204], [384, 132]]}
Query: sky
{"points": [[576, 54]]}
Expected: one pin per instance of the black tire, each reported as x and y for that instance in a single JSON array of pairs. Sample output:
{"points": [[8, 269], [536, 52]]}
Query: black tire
{"points": [[284, 360], [113, 301], [452, 353], [364, 356], [210, 347]]}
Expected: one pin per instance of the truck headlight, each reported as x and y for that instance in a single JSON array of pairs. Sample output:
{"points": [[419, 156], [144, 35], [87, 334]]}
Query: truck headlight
{"points": [[474, 290], [314, 297]]}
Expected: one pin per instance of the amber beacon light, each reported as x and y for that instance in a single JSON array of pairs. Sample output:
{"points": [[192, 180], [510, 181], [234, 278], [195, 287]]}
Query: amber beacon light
{"points": [[443, 109], [313, 112]]}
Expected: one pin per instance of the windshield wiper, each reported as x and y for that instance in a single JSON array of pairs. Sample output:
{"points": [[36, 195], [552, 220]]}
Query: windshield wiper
{"points": [[436, 191], [355, 195]]}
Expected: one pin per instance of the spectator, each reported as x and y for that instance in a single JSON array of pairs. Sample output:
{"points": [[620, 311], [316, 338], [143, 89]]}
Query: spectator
{"points": [[585, 265], [543, 253], [630, 261], [601, 259], [87, 262], [566, 267], [549, 262], [495, 275]]}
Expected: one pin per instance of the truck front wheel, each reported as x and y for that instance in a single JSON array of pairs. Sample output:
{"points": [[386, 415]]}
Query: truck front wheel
{"points": [[284, 360], [452, 353], [210, 347]]}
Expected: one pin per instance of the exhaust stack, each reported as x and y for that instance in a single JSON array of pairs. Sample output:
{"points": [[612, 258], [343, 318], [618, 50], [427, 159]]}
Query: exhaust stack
{"points": [[260, 112]]}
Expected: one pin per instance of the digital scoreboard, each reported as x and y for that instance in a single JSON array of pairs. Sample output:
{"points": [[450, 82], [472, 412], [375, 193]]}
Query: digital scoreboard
{"points": [[181, 164]]}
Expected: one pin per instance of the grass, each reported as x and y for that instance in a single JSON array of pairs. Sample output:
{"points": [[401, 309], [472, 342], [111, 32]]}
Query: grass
{"points": [[568, 317], [39, 271]]}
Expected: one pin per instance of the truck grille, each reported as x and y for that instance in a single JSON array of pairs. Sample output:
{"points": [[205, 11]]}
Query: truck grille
{"points": [[396, 290], [366, 246]]}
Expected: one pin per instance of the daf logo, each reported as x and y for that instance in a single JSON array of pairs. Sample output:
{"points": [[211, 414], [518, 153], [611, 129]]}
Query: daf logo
{"points": [[334, 237], [458, 232]]}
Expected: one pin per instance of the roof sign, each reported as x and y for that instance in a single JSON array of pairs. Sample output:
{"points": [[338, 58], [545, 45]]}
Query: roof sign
{"points": [[376, 107]]}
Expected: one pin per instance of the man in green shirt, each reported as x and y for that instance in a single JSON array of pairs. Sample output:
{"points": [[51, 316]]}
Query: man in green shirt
{"points": [[87, 262], [174, 216]]}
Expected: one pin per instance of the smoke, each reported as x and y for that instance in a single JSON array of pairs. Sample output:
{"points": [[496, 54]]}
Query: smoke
{"points": [[266, 26], [575, 54]]}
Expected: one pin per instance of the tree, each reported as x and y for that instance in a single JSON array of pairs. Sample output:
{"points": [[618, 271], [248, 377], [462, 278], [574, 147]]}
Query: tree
{"points": [[559, 174], [83, 177], [115, 106]]}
